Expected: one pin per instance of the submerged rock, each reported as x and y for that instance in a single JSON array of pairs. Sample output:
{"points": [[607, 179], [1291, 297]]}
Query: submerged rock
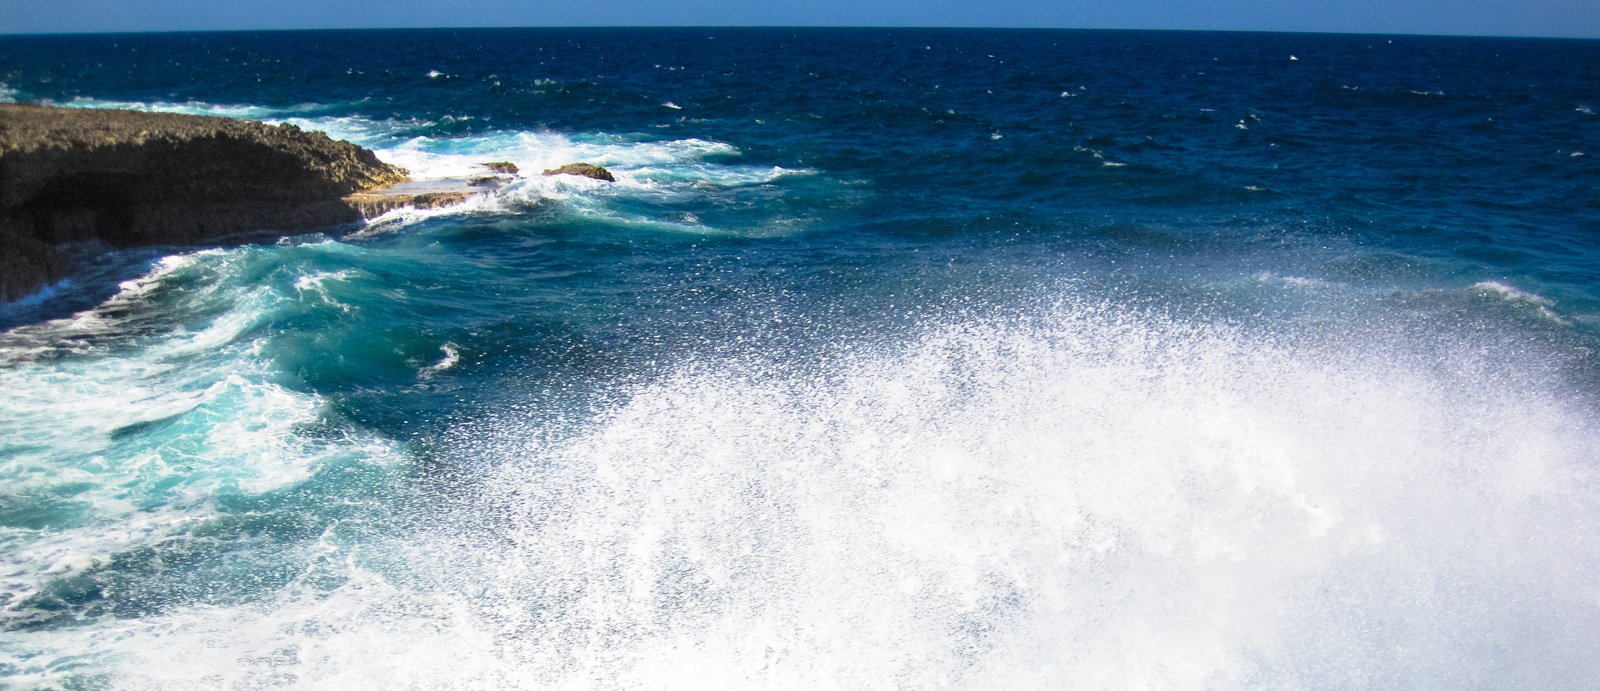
{"points": [[128, 178], [588, 170]]}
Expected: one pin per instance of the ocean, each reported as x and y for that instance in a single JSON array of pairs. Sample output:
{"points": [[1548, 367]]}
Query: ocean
{"points": [[905, 358]]}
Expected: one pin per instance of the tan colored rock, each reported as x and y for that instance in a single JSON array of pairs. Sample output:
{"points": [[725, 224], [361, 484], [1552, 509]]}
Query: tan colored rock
{"points": [[588, 170], [374, 204]]}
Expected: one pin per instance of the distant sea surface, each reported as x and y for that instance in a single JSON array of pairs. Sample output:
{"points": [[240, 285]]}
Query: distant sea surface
{"points": [[892, 359]]}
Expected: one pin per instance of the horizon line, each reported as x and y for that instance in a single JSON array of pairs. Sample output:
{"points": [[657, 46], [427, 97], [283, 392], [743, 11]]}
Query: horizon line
{"points": [[935, 27]]}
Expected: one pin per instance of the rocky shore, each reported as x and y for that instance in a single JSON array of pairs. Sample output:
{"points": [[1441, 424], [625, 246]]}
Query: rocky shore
{"points": [[127, 178]]}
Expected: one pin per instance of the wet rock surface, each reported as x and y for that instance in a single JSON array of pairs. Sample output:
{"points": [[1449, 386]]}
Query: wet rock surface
{"points": [[588, 170]]}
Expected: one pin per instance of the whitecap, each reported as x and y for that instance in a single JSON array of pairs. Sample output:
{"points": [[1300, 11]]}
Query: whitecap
{"points": [[1296, 281], [235, 111], [1511, 294], [452, 357], [1542, 305], [317, 283]]}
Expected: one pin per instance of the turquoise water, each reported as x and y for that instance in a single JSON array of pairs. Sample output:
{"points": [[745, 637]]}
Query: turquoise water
{"points": [[914, 358]]}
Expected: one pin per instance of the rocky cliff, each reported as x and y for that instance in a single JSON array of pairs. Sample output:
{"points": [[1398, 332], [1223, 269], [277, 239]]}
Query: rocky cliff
{"points": [[132, 178]]}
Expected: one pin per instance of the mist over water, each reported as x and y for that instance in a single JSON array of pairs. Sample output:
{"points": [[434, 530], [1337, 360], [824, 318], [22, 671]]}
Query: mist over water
{"points": [[1077, 496], [907, 359]]}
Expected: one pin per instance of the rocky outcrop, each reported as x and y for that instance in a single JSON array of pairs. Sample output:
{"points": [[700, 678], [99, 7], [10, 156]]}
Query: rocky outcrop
{"points": [[373, 204], [502, 167], [129, 178], [588, 170]]}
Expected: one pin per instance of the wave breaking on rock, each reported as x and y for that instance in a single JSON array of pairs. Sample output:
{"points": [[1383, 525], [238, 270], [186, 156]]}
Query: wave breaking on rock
{"points": [[128, 178]]}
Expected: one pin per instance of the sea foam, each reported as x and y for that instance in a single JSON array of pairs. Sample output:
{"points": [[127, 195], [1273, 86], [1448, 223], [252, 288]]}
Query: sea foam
{"points": [[1079, 495], [140, 414], [646, 169]]}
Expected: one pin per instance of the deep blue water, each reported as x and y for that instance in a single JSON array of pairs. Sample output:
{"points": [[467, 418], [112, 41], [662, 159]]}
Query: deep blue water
{"points": [[894, 358]]}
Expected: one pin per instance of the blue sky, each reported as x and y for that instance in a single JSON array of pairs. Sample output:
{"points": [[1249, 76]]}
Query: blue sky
{"points": [[1494, 17]]}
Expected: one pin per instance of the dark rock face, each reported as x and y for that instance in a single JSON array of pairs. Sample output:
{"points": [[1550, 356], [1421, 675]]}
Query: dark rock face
{"points": [[588, 170], [26, 265], [502, 167], [132, 178]]}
